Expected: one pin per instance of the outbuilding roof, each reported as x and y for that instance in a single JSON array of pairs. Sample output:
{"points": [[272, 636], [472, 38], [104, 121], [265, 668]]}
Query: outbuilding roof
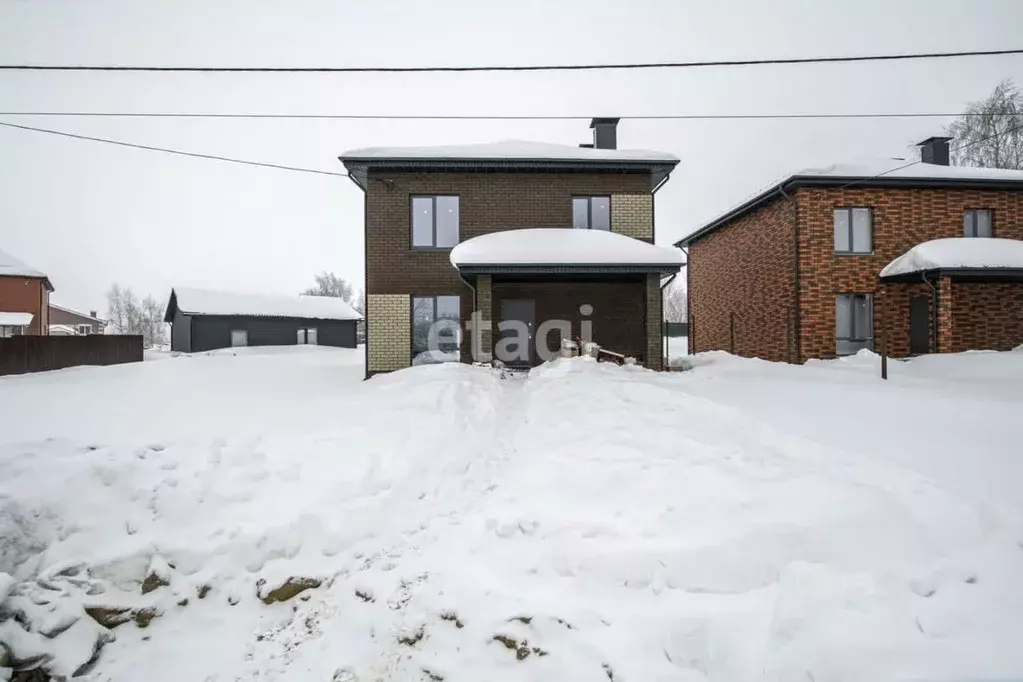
{"points": [[880, 173], [211, 302]]}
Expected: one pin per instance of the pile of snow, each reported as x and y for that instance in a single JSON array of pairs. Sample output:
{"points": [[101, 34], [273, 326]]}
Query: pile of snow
{"points": [[561, 246], [284, 519], [12, 267], [518, 150], [210, 302], [15, 319], [958, 252]]}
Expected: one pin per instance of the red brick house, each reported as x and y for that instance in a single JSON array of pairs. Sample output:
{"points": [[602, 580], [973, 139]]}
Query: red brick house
{"points": [[24, 298], [795, 272], [511, 233]]}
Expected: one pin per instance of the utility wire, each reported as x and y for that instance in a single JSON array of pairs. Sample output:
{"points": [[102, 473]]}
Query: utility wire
{"points": [[467, 117], [179, 152], [532, 67]]}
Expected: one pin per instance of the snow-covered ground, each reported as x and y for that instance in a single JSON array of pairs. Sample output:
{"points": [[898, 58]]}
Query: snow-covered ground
{"points": [[742, 520]]}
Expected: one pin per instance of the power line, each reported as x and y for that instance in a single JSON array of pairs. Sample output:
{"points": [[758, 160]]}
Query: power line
{"points": [[179, 152], [485, 117], [530, 67]]}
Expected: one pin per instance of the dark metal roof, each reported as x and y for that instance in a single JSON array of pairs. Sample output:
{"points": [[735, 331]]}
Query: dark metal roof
{"points": [[794, 182]]}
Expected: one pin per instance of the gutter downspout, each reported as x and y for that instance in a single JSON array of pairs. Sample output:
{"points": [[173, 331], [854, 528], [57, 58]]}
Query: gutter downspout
{"points": [[797, 313], [934, 312]]}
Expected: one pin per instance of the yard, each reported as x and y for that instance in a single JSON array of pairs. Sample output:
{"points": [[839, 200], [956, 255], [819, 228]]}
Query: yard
{"points": [[268, 515]]}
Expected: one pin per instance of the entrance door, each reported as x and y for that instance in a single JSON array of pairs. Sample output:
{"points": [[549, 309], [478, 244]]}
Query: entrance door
{"points": [[919, 319], [239, 337], [520, 310]]}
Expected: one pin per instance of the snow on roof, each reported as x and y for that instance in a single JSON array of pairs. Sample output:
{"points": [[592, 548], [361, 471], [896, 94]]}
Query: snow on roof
{"points": [[210, 302], [919, 171], [958, 252], [15, 319], [561, 246], [9, 265], [63, 329], [507, 150]]}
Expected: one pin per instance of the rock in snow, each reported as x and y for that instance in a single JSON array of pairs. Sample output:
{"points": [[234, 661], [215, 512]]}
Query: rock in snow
{"points": [[287, 520]]}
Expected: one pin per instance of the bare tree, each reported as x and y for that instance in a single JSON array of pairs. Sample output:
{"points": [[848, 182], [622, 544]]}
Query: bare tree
{"points": [[993, 130], [675, 302], [329, 284], [128, 315], [359, 301]]}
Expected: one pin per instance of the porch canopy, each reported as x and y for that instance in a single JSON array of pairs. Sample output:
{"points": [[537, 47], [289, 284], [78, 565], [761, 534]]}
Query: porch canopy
{"points": [[15, 319], [963, 258], [554, 251]]}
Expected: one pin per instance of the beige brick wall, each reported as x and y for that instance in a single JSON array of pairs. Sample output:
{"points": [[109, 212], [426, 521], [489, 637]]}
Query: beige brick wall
{"points": [[654, 330], [388, 333], [633, 215]]}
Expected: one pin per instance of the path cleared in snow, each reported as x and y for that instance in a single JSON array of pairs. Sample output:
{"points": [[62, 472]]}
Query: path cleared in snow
{"points": [[744, 520]]}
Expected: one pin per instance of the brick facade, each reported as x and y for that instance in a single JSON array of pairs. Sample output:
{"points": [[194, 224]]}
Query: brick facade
{"points": [[27, 295], [985, 316], [633, 215], [741, 283], [493, 202], [388, 323], [744, 270], [654, 303]]}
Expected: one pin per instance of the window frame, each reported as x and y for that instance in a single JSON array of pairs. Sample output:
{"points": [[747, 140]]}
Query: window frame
{"points": [[87, 327], [973, 224], [589, 210], [412, 321], [433, 202], [868, 339], [849, 211]]}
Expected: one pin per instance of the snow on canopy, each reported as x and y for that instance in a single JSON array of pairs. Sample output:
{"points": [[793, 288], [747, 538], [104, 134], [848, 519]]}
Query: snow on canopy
{"points": [[561, 246], [508, 150], [210, 302], [958, 252], [15, 319], [11, 266]]}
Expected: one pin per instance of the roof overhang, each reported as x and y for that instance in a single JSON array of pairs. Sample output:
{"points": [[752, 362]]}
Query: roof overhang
{"points": [[358, 168], [795, 182], [990, 274], [571, 269]]}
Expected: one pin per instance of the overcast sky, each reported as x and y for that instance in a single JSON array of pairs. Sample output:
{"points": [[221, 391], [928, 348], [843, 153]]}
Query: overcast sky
{"points": [[91, 214]]}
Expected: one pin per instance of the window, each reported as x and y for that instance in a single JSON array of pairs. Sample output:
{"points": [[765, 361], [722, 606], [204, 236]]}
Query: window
{"points": [[854, 323], [306, 336], [434, 222], [591, 213], [854, 230], [435, 327], [84, 329], [7, 331], [239, 337], [977, 223]]}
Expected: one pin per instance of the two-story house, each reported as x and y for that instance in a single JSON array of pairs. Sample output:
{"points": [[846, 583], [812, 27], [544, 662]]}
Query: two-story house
{"points": [[68, 322], [825, 261], [24, 298], [556, 240]]}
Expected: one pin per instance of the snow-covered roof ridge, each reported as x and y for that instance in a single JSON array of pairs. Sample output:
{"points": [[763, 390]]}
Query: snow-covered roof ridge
{"points": [[958, 252], [213, 302], [76, 312], [11, 266], [882, 168], [510, 150], [553, 246]]}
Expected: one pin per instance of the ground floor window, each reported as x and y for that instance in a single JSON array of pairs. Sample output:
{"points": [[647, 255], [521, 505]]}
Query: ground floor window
{"points": [[9, 330], [85, 329], [435, 328], [854, 323], [239, 337], [307, 336]]}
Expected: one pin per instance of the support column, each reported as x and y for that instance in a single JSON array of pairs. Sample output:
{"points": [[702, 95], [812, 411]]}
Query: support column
{"points": [[654, 323], [485, 316], [945, 304]]}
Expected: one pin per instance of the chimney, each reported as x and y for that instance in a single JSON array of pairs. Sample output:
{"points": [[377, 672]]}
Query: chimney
{"points": [[605, 133], [934, 150], [92, 313]]}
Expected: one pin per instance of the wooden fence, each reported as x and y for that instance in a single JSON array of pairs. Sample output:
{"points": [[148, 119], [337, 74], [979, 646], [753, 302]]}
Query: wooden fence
{"points": [[22, 354]]}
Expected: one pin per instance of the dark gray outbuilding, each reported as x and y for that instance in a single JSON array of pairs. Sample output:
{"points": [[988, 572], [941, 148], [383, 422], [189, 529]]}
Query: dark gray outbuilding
{"points": [[204, 320]]}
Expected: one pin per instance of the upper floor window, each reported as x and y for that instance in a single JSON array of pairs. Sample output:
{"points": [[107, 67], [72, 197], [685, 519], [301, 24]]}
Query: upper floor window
{"points": [[977, 223], [591, 213], [854, 230], [434, 222]]}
